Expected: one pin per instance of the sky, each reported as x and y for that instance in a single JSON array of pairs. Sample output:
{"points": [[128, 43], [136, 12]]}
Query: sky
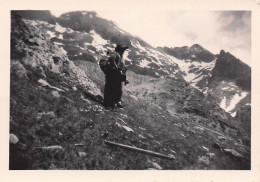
{"points": [[213, 30]]}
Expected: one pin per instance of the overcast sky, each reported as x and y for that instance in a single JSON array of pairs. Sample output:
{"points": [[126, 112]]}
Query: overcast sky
{"points": [[214, 30]]}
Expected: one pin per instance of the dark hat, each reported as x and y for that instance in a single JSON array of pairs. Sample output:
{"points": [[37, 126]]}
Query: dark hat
{"points": [[120, 48]]}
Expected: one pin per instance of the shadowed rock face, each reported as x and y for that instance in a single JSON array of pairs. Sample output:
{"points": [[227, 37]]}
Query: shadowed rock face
{"points": [[229, 68], [243, 116]]}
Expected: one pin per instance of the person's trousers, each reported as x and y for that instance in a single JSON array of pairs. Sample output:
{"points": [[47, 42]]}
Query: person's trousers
{"points": [[113, 91]]}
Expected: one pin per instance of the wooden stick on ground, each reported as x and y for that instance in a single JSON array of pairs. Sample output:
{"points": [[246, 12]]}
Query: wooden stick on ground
{"points": [[149, 152]]}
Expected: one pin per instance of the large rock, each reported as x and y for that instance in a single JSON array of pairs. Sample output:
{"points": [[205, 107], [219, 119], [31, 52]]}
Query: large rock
{"points": [[18, 70], [233, 153], [155, 165], [13, 139]]}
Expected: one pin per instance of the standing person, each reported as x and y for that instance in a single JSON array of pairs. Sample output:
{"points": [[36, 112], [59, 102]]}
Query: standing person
{"points": [[115, 78]]}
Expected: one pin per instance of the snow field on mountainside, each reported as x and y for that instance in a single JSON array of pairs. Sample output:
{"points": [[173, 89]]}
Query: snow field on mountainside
{"points": [[235, 100], [57, 27], [138, 46], [229, 86], [194, 78], [223, 103], [229, 104], [125, 56], [156, 56], [98, 42]]}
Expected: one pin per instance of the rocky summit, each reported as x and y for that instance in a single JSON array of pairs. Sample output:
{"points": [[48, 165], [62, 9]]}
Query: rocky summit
{"points": [[184, 103]]}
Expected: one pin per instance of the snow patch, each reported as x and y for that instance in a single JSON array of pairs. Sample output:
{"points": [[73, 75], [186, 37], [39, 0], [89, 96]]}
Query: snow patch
{"points": [[138, 46], [235, 100], [98, 42], [59, 28], [233, 114], [60, 36], [125, 56], [33, 23], [85, 48], [38, 22], [58, 43], [223, 103], [91, 51], [84, 13], [50, 33], [69, 30], [144, 63]]}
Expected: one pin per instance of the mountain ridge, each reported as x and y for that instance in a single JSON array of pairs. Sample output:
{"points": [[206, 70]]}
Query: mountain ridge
{"points": [[195, 52]]}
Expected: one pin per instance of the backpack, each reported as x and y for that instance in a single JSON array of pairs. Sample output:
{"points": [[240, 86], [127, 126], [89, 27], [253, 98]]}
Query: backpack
{"points": [[103, 63]]}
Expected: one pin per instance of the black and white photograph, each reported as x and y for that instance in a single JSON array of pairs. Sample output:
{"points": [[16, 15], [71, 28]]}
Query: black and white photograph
{"points": [[88, 94], [130, 90]]}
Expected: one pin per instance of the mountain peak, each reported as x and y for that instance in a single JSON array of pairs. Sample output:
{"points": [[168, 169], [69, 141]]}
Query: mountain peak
{"points": [[196, 46], [228, 67], [195, 53]]}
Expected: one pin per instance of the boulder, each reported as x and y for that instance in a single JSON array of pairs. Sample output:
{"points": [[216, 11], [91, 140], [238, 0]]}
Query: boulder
{"points": [[233, 153], [128, 129], [13, 139], [155, 165], [216, 145], [205, 148], [55, 93], [204, 160], [82, 154], [211, 155], [18, 70]]}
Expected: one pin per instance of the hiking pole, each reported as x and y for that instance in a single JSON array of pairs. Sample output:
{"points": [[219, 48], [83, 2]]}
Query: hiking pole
{"points": [[149, 152]]}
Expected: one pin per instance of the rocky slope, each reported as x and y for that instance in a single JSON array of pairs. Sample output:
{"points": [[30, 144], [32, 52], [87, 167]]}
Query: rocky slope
{"points": [[57, 120], [229, 68], [223, 78]]}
